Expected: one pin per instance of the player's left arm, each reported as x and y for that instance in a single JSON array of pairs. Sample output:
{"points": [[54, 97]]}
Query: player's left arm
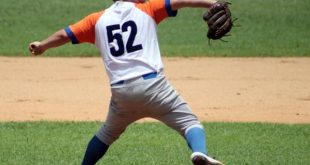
{"points": [[177, 4], [57, 39]]}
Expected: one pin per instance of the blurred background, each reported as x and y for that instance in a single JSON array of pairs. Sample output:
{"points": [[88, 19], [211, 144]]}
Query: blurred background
{"points": [[265, 28]]}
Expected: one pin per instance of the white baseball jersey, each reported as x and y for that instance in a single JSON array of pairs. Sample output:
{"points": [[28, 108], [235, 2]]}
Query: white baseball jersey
{"points": [[126, 36]]}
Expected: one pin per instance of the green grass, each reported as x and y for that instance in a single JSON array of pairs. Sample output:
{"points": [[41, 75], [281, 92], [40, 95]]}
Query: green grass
{"points": [[268, 28], [29, 20], [154, 144]]}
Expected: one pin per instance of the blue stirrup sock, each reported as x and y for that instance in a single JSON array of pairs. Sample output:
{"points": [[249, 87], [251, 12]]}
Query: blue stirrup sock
{"points": [[196, 139], [95, 150]]}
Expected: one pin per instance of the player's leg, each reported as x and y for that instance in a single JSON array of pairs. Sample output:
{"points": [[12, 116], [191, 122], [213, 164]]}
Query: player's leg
{"points": [[168, 107], [186, 123], [126, 106], [94, 151], [110, 131], [172, 110], [195, 138]]}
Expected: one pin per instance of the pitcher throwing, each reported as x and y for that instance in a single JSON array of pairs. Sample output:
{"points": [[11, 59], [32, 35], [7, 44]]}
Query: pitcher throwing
{"points": [[125, 33]]}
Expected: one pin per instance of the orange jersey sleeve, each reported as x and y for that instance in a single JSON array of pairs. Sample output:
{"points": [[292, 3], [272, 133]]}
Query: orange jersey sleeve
{"points": [[84, 30], [157, 9]]}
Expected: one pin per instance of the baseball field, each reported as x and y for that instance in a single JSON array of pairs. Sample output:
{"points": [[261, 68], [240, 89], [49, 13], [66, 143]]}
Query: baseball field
{"points": [[252, 93]]}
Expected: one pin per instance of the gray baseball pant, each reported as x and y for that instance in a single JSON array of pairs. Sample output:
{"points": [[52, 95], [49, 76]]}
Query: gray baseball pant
{"points": [[138, 98]]}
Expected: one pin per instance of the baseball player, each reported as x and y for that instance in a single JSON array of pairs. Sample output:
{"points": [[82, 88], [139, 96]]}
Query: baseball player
{"points": [[125, 34]]}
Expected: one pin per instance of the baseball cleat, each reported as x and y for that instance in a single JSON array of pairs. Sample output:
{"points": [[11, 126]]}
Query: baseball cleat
{"points": [[199, 158]]}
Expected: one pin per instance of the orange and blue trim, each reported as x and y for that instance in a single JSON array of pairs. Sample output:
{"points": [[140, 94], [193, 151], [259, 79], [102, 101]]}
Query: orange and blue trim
{"points": [[71, 35], [171, 13]]}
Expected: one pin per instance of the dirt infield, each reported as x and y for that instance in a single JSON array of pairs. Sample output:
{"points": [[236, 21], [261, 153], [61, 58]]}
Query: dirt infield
{"points": [[218, 89]]}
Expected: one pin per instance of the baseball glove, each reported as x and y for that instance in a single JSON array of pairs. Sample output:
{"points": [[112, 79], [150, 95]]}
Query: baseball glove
{"points": [[219, 20]]}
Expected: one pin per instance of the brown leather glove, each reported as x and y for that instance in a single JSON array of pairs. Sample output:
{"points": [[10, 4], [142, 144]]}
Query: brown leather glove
{"points": [[219, 20]]}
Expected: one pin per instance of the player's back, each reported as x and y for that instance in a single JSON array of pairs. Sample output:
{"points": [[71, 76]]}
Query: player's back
{"points": [[126, 36]]}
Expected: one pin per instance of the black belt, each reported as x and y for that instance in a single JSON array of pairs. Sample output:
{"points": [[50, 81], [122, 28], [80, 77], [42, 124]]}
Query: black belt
{"points": [[145, 77]]}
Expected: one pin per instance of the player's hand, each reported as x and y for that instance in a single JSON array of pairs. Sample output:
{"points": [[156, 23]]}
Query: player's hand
{"points": [[35, 48]]}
